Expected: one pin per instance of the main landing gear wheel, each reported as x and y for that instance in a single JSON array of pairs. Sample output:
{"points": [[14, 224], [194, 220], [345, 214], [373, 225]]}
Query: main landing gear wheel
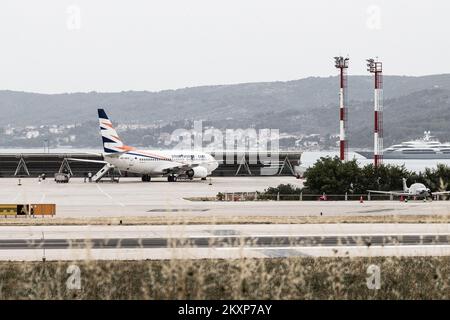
{"points": [[146, 178], [172, 178]]}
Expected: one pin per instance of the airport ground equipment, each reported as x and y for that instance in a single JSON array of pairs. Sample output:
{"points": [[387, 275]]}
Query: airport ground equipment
{"points": [[102, 172], [62, 177], [65, 167]]}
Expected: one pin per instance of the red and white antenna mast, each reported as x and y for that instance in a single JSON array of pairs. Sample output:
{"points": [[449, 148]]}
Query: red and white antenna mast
{"points": [[342, 64], [376, 67]]}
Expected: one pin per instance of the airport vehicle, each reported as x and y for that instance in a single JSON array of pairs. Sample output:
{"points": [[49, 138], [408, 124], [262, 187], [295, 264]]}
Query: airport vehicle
{"points": [[149, 163], [426, 148], [417, 190], [62, 177]]}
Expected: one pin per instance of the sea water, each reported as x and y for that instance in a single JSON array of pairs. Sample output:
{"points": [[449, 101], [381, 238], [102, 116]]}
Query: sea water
{"points": [[417, 165]]}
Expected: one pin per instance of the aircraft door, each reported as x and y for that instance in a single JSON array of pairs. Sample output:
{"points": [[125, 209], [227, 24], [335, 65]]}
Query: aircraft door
{"points": [[132, 162]]}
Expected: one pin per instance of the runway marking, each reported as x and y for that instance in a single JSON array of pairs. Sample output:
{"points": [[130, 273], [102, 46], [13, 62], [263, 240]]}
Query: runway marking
{"points": [[283, 252], [177, 210], [224, 232], [109, 196], [377, 210]]}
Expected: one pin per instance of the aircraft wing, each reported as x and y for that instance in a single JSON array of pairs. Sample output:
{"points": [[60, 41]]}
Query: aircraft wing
{"points": [[87, 160], [441, 192], [394, 193], [94, 153]]}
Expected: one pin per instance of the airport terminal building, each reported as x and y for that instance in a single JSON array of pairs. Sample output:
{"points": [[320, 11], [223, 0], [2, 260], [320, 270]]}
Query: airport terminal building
{"points": [[232, 163]]}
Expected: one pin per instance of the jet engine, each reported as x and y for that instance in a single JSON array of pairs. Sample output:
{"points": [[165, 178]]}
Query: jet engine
{"points": [[197, 172]]}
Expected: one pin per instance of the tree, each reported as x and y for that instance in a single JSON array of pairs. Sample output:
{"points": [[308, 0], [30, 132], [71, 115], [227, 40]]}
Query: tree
{"points": [[383, 178], [332, 176], [436, 178]]}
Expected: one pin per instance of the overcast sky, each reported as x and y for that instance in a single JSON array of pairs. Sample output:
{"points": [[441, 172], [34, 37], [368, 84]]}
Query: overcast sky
{"points": [[85, 45]]}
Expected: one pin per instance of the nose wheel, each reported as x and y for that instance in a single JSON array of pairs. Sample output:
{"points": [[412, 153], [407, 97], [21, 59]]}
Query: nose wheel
{"points": [[172, 178], [146, 178]]}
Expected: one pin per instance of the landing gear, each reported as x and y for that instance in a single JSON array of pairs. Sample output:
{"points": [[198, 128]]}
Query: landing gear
{"points": [[204, 178], [172, 178], [146, 178]]}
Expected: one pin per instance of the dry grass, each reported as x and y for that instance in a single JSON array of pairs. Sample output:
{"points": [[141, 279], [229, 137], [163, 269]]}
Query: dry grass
{"points": [[170, 220], [283, 278]]}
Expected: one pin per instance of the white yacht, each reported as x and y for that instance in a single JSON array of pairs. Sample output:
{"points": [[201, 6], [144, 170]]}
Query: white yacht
{"points": [[426, 148]]}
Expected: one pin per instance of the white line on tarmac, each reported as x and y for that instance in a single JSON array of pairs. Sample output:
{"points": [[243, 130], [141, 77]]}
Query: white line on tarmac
{"points": [[109, 196]]}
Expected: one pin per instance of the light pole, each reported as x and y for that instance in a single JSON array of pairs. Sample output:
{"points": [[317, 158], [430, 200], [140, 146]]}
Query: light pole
{"points": [[376, 67], [341, 63]]}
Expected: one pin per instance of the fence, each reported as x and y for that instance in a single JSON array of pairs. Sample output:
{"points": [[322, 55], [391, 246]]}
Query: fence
{"points": [[258, 196]]}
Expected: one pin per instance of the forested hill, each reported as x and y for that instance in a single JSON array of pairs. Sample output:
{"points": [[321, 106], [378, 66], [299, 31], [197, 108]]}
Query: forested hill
{"points": [[412, 105]]}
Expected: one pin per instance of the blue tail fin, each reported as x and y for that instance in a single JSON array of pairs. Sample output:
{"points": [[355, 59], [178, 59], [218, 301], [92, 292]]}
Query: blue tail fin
{"points": [[111, 140]]}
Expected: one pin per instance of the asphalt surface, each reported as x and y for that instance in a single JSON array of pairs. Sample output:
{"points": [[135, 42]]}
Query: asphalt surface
{"points": [[205, 242], [159, 198]]}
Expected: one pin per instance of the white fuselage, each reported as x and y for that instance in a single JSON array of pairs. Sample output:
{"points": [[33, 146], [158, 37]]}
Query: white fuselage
{"points": [[418, 189], [157, 163]]}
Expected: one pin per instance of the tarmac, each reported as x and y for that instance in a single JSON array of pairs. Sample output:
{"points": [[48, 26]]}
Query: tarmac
{"points": [[159, 198], [131, 197], [224, 241]]}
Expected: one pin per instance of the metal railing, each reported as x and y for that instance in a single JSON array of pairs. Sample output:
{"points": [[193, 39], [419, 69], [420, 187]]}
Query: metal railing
{"points": [[258, 196]]}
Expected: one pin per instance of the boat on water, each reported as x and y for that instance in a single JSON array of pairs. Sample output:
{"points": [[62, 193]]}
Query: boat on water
{"points": [[427, 147]]}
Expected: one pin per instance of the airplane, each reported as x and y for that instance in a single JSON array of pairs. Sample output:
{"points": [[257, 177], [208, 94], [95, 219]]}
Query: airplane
{"points": [[418, 190], [149, 163]]}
